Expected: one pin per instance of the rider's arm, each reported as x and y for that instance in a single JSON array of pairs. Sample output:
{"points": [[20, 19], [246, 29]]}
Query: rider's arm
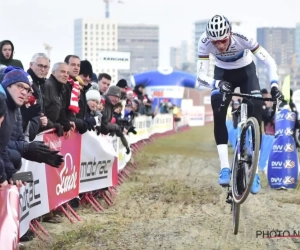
{"points": [[203, 64], [265, 57]]}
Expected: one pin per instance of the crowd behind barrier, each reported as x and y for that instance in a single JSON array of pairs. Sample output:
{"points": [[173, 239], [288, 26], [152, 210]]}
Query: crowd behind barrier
{"points": [[91, 163]]}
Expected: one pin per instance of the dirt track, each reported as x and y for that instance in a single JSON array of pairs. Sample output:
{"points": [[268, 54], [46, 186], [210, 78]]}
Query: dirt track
{"points": [[174, 202]]}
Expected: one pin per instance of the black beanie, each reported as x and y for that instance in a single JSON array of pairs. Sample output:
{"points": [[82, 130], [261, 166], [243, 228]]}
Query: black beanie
{"points": [[86, 68], [122, 84]]}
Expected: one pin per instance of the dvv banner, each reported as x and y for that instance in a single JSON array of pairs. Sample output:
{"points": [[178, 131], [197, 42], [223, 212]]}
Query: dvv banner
{"points": [[283, 159]]}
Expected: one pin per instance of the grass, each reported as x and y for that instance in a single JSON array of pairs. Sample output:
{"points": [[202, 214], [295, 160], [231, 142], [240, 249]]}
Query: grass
{"points": [[96, 230], [149, 194], [198, 142]]}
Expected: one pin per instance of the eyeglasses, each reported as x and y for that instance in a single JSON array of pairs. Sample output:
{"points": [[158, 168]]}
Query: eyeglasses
{"points": [[41, 66], [86, 76], [21, 88], [219, 41]]}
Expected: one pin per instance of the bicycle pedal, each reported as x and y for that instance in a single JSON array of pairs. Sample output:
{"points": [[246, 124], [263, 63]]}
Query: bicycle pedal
{"points": [[229, 201], [225, 186]]}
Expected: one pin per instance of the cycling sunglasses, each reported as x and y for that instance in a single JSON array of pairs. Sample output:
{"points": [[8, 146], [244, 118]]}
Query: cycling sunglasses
{"points": [[219, 41]]}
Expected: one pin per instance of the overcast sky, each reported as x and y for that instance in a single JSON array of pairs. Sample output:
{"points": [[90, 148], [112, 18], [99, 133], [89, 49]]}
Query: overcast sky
{"points": [[30, 23]]}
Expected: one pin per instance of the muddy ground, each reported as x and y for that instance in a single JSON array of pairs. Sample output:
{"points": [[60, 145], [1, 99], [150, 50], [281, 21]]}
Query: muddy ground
{"points": [[173, 201]]}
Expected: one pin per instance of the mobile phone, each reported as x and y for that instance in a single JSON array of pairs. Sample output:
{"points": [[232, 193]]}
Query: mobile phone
{"points": [[22, 176]]}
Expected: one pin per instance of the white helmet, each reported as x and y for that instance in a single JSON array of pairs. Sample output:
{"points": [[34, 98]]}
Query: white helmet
{"points": [[218, 28]]}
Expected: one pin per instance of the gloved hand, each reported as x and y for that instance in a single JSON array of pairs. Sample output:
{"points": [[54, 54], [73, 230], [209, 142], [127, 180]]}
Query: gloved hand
{"points": [[127, 150], [112, 133], [119, 133], [38, 151], [30, 112], [58, 129], [91, 123], [80, 126], [132, 130], [275, 93], [225, 87], [38, 147], [98, 130], [53, 159]]}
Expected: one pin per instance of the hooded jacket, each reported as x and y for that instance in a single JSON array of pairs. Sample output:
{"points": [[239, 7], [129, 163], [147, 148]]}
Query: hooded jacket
{"points": [[9, 61]]}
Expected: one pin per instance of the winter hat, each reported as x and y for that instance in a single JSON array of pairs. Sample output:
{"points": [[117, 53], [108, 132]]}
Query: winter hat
{"points": [[94, 78], [13, 75], [93, 93], [129, 91], [122, 84], [114, 91], [86, 68]]}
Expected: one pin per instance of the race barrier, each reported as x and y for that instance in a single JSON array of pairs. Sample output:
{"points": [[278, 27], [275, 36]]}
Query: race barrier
{"points": [[93, 167]]}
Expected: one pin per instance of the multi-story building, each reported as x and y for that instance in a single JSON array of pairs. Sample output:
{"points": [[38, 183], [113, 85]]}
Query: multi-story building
{"points": [[142, 41], [92, 36], [200, 27], [280, 43], [182, 57], [175, 58], [297, 43]]}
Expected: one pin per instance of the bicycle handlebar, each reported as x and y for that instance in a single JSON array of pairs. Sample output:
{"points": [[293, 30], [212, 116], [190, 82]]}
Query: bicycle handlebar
{"points": [[275, 101], [248, 96]]}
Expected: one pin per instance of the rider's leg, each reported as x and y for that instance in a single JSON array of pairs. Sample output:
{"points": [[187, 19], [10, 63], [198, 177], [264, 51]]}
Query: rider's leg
{"points": [[221, 134], [251, 86]]}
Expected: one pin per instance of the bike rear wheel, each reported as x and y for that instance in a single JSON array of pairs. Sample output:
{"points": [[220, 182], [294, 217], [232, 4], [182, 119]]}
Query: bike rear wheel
{"points": [[245, 166]]}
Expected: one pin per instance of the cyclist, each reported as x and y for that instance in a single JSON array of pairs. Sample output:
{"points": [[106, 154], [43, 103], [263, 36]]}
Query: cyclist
{"points": [[234, 67]]}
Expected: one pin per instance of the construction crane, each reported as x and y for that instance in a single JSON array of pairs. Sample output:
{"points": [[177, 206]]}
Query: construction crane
{"points": [[107, 2], [48, 48]]}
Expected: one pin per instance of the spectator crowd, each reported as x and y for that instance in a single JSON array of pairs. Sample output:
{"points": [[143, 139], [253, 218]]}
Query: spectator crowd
{"points": [[65, 96]]}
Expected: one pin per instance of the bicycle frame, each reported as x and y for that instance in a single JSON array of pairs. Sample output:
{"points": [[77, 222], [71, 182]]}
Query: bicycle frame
{"points": [[243, 116], [242, 120]]}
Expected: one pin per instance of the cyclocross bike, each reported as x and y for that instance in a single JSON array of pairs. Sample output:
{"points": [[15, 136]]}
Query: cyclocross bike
{"points": [[246, 155]]}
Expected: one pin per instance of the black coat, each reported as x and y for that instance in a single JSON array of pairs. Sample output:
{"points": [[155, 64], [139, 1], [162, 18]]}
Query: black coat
{"points": [[9, 158]]}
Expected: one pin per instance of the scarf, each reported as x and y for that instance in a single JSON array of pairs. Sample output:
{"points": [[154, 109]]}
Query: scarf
{"points": [[74, 107]]}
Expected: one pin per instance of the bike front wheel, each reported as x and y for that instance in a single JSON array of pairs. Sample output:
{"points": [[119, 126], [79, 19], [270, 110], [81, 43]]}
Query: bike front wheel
{"points": [[246, 161]]}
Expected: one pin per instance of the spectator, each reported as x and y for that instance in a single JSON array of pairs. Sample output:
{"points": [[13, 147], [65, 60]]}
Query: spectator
{"points": [[73, 84], [86, 74], [129, 96], [164, 108], [95, 105], [16, 86], [7, 53], [55, 102], [82, 124], [3, 177], [117, 115], [94, 78], [176, 117], [38, 69], [112, 97], [122, 84], [104, 81], [266, 114], [32, 121]]}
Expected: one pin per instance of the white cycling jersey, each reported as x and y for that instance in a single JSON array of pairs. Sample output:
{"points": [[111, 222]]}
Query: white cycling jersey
{"points": [[237, 56]]}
